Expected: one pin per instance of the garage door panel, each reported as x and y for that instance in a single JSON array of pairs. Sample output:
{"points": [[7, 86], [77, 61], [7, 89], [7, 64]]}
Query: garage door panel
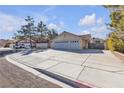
{"points": [[61, 45], [74, 45], [67, 45]]}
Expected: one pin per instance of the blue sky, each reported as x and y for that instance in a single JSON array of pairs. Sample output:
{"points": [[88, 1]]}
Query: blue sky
{"points": [[75, 19]]}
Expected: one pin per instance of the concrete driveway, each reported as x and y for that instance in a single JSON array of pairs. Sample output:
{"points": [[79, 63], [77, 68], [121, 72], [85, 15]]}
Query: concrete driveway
{"points": [[94, 67]]}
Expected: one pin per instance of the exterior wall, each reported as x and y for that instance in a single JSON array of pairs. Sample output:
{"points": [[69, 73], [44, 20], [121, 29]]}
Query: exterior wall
{"points": [[65, 37], [81, 43], [11, 45], [70, 38], [84, 44], [41, 45]]}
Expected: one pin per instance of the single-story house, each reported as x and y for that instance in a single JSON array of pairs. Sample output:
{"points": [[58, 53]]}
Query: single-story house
{"points": [[26, 43], [67, 40], [5, 43]]}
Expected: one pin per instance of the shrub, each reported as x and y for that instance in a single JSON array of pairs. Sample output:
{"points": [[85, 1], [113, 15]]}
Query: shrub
{"points": [[115, 44], [110, 44]]}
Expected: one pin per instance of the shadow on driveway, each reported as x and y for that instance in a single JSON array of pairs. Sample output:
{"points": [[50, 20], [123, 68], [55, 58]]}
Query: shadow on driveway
{"points": [[83, 51], [86, 51]]}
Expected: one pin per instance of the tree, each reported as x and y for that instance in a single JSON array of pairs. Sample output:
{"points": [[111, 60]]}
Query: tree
{"points": [[30, 29], [117, 22], [27, 31], [116, 16], [44, 32], [52, 34], [42, 29]]}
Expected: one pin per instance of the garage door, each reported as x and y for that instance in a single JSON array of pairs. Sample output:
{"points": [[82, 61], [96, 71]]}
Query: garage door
{"points": [[66, 45], [74, 45], [61, 45]]}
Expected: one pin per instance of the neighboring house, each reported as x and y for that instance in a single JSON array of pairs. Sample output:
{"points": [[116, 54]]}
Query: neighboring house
{"points": [[26, 43], [97, 43], [42, 44], [5, 43], [35, 43], [68, 40]]}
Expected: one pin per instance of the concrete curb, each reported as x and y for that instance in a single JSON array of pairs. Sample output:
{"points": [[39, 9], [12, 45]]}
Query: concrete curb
{"points": [[67, 80], [37, 73]]}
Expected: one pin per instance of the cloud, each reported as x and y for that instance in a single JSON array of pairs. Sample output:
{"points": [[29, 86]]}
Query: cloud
{"points": [[50, 8], [44, 14], [61, 24], [100, 21], [9, 23], [86, 32], [53, 26], [99, 29], [39, 17], [58, 26], [90, 20], [44, 19], [96, 26]]}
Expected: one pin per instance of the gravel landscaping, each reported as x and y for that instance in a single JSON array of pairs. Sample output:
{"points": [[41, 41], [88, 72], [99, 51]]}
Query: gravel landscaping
{"points": [[119, 55], [12, 76]]}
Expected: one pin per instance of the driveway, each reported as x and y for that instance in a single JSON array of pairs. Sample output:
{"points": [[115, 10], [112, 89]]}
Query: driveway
{"points": [[92, 67]]}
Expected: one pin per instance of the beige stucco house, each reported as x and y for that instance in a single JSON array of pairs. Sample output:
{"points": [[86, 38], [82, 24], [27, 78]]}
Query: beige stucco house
{"points": [[68, 40]]}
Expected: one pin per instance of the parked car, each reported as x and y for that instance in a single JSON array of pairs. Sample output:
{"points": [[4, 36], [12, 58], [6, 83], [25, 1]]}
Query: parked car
{"points": [[16, 46]]}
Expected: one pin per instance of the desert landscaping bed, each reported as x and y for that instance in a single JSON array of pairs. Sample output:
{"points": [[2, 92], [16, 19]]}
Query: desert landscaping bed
{"points": [[13, 76], [119, 55]]}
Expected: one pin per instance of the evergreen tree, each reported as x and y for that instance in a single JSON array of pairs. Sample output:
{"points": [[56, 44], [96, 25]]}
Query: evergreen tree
{"points": [[27, 31]]}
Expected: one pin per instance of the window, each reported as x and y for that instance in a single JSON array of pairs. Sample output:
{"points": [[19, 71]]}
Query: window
{"points": [[61, 42], [74, 41]]}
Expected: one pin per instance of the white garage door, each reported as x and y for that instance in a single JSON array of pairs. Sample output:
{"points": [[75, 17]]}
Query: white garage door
{"points": [[61, 45], [74, 45], [66, 45]]}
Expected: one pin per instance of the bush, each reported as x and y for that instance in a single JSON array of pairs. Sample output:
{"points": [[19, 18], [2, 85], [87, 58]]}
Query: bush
{"points": [[110, 44], [119, 45], [115, 44]]}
